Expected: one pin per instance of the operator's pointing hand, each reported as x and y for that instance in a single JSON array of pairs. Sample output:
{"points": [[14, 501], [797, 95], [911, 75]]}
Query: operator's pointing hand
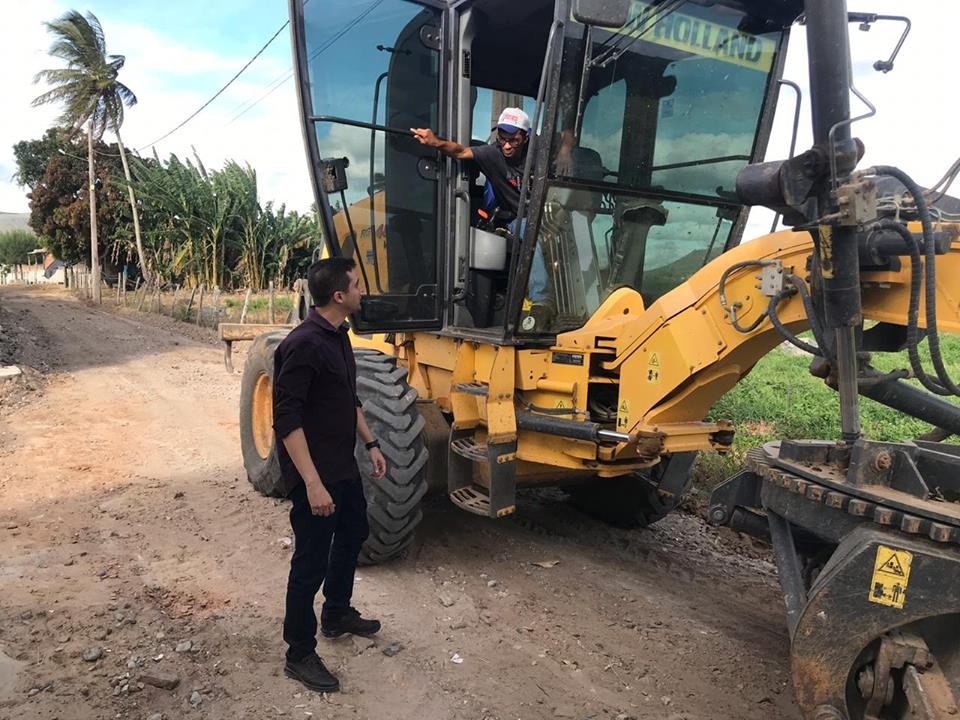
{"points": [[424, 136]]}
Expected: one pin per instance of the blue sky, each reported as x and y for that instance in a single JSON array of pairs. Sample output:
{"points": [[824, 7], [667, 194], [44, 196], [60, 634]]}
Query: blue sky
{"points": [[180, 52], [231, 27]]}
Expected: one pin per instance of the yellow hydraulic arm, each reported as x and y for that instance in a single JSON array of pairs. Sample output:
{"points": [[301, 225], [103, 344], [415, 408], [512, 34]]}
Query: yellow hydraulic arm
{"points": [[676, 358]]}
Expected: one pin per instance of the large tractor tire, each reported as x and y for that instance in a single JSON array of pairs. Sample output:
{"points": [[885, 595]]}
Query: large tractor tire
{"points": [[641, 499], [393, 501], [256, 417], [389, 405]]}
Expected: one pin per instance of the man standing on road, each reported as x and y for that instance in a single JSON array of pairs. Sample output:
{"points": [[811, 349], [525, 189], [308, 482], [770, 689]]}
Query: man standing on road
{"points": [[502, 164], [317, 417]]}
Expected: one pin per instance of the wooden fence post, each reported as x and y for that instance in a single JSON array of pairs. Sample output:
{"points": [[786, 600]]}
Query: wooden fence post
{"points": [[146, 291], [173, 307], [270, 318], [246, 304], [159, 308], [200, 305], [216, 304], [123, 289], [193, 292], [295, 300]]}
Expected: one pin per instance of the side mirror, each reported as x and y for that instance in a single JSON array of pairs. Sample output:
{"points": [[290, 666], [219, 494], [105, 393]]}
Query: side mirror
{"points": [[602, 13]]}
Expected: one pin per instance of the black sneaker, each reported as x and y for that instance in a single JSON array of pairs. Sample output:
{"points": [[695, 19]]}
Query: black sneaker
{"points": [[312, 673], [349, 622]]}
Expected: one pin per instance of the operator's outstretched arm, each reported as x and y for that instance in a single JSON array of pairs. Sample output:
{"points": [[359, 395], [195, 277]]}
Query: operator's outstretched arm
{"points": [[449, 148]]}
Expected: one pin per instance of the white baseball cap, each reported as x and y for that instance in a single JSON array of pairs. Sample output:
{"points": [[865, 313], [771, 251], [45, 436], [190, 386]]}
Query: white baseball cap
{"points": [[513, 120]]}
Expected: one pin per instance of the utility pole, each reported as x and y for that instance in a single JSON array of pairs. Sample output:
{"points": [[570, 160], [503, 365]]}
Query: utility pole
{"points": [[94, 251]]}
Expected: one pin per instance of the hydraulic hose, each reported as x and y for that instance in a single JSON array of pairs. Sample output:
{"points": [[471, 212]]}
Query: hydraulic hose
{"points": [[945, 386], [808, 308], [732, 309], [913, 309], [782, 329]]}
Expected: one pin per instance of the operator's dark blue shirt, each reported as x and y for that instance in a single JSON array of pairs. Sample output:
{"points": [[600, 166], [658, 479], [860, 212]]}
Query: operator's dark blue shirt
{"points": [[315, 388]]}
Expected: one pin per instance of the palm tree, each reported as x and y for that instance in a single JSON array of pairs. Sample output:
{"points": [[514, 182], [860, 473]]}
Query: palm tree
{"points": [[91, 95]]}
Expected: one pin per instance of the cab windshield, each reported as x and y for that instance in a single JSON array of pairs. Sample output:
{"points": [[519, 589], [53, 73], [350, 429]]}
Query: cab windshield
{"points": [[652, 123]]}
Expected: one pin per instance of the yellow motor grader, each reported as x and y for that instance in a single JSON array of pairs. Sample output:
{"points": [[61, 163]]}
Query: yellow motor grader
{"points": [[584, 341]]}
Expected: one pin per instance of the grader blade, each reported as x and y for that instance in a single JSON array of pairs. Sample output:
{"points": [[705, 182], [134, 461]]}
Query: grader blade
{"points": [[867, 542]]}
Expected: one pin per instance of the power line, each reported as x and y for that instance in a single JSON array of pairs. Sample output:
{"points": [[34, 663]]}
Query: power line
{"points": [[250, 104], [281, 80], [220, 91]]}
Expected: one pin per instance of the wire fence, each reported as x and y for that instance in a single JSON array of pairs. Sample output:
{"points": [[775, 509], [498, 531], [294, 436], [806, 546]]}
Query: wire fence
{"points": [[201, 305]]}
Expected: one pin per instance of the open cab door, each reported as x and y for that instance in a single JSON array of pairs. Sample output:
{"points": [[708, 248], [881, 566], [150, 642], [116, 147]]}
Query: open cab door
{"points": [[368, 72]]}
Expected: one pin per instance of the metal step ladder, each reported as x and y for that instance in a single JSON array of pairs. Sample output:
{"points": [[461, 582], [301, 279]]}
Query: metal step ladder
{"points": [[501, 459]]}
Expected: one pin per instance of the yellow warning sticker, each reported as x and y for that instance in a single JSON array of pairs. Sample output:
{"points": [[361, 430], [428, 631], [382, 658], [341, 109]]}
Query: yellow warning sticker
{"points": [[653, 368], [891, 575], [623, 415]]}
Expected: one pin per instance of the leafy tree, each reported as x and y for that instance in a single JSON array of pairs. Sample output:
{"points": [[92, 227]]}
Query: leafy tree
{"points": [[60, 207], [14, 246], [90, 93], [32, 156]]}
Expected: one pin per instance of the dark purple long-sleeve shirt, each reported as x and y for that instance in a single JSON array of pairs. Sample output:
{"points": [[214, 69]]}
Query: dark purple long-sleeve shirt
{"points": [[315, 388]]}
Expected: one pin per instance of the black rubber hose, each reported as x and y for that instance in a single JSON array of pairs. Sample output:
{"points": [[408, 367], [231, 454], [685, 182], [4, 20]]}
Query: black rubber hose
{"points": [[930, 291], [782, 329], [913, 309], [808, 308], [723, 297]]}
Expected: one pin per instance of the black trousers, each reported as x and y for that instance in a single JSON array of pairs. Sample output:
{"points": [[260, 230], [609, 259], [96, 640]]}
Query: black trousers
{"points": [[325, 554]]}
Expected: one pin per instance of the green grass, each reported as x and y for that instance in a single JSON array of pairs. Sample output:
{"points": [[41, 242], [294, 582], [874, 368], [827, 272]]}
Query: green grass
{"points": [[281, 304], [780, 399]]}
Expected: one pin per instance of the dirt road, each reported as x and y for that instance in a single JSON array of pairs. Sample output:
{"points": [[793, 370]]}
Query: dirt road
{"points": [[134, 551]]}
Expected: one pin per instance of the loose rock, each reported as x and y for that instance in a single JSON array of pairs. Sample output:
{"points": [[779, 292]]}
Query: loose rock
{"points": [[165, 681], [392, 649], [93, 654]]}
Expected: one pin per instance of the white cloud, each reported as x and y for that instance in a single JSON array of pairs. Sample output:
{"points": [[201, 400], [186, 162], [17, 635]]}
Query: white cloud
{"points": [[23, 44], [170, 80]]}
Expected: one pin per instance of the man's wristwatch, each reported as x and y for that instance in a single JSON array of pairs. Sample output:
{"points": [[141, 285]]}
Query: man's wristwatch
{"points": [[372, 444]]}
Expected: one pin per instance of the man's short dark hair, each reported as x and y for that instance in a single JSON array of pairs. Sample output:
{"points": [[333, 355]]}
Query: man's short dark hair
{"points": [[328, 276]]}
